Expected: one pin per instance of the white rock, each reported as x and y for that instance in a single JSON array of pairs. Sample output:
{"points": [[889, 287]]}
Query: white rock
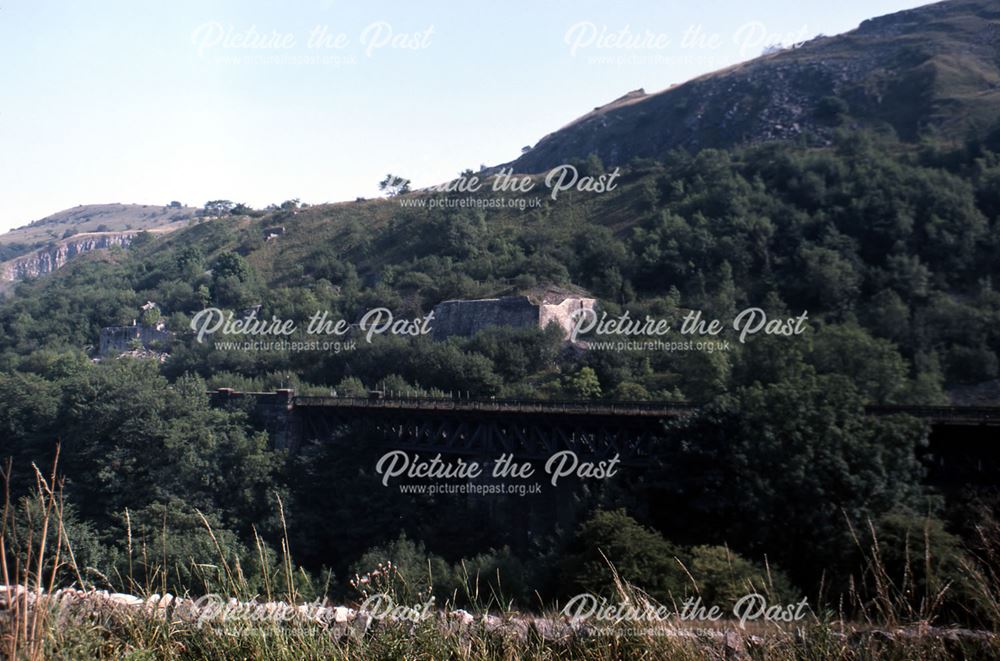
{"points": [[463, 616], [125, 599]]}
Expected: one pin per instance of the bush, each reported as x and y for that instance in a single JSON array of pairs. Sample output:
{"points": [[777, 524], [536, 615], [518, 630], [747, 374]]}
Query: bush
{"points": [[912, 569], [639, 555], [405, 570], [724, 577]]}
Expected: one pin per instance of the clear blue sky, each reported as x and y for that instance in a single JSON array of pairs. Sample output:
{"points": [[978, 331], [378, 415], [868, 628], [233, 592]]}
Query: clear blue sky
{"points": [[147, 102]]}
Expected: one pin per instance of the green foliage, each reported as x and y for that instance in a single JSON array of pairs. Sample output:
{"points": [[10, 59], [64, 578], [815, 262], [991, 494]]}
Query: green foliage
{"points": [[874, 366], [867, 234], [915, 560], [405, 570], [889, 248], [130, 440], [584, 384], [639, 555], [723, 577], [777, 468], [351, 386], [612, 542], [230, 264], [832, 109], [393, 185]]}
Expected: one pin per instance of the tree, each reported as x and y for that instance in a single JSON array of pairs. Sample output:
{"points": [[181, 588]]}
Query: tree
{"points": [[630, 392], [920, 559], [640, 556], [232, 264], [351, 386], [832, 109], [393, 185], [723, 577], [584, 384], [776, 469], [142, 238], [218, 207], [874, 366], [827, 278], [151, 317]]}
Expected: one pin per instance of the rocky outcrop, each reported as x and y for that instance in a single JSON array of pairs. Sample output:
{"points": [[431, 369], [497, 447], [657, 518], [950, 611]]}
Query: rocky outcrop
{"points": [[53, 257]]}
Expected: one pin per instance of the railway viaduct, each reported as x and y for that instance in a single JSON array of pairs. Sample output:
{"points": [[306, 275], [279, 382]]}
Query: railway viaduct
{"points": [[965, 441]]}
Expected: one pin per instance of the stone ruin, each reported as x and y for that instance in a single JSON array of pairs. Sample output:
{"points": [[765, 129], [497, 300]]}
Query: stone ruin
{"points": [[138, 337], [534, 309]]}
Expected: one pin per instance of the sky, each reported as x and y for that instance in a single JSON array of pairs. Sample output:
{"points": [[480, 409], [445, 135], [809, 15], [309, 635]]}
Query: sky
{"points": [[261, 101]]}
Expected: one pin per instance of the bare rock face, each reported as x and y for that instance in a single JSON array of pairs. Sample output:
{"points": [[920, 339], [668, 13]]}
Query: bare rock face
{"points": [[55, 256]]}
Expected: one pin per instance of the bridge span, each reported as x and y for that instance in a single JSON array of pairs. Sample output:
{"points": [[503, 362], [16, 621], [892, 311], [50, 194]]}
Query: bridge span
{"points": [[535, 429], [955, 415]]}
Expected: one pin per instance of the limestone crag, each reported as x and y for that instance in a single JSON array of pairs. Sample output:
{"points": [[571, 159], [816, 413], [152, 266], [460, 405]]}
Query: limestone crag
{"points": [[53, 257]]}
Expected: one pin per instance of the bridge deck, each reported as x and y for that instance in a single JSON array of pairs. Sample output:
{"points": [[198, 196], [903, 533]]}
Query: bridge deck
{"points": [[615, 409], [936, 415]]}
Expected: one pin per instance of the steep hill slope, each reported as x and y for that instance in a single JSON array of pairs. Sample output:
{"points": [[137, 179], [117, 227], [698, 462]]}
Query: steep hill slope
{"points": [[55, 255], [44, 245], [931, 71]]}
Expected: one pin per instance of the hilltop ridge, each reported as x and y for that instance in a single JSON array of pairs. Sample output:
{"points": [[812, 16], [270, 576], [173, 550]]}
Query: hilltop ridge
{"points": [[933, 71]]}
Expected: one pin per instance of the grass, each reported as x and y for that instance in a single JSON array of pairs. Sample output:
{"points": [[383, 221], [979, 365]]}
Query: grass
{"points": [[97, 218], [40, 621]]}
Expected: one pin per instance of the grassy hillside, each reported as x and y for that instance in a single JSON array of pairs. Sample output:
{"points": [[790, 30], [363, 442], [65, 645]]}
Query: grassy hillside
{"points": [[931, 71], [91, 218], [883, 245]]}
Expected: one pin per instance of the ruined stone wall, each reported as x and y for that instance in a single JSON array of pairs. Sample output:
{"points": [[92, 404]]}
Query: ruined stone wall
{"points": [[466, 318], [118, 339]]}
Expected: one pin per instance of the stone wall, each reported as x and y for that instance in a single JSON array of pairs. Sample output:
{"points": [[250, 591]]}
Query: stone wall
{"points": [[119, 339], [272, 411], [466, 318]]}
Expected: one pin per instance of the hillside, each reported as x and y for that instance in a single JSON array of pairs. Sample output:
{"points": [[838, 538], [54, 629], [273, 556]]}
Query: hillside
{"points": [[209, 416], [890, 250], [91, 218], [884, 246], [933, 71], [46, 244], [55, 254]]}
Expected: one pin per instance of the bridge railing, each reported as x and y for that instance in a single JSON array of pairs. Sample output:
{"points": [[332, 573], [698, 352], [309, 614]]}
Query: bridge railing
{"points": [[962, 415], [982, 414], [500, 405]]}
